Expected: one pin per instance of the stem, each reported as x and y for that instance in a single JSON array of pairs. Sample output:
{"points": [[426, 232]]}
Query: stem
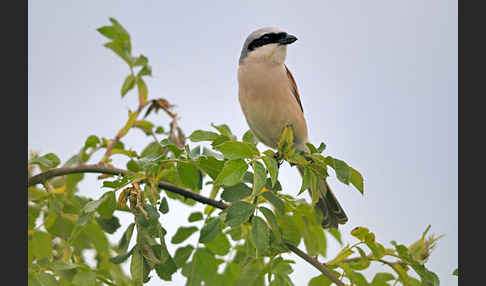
{"points": [[42, 177], [122, 132], [320, 266]]}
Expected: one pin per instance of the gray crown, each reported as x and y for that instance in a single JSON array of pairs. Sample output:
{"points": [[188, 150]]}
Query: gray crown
{"points": [[255, 35]]}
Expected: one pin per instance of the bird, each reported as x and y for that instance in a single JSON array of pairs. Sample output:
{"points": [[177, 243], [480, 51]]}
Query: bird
{"points": [[270, 101]]}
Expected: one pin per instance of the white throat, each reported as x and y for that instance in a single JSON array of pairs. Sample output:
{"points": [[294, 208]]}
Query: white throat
{"points": [[273, 53]]}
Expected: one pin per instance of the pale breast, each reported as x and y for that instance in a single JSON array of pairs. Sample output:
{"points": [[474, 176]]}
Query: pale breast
{"points": [[267, 101]]}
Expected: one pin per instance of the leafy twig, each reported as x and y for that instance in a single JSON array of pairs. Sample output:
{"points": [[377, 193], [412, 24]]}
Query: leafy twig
{"points": [[178, 190]]}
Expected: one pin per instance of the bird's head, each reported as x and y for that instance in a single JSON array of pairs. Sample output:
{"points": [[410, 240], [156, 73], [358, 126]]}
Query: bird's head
{"points": [[266, 44]]}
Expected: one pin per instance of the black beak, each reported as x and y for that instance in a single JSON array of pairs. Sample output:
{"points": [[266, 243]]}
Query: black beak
{"points": [[288, 39]]}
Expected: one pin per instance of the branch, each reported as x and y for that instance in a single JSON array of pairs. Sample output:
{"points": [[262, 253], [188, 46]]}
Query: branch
{"points": [[42, 177], [320, 266], [190, 194]]}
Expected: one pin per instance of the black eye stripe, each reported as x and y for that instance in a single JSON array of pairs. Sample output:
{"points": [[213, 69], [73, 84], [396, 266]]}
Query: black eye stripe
{"points": [[266, 39]]}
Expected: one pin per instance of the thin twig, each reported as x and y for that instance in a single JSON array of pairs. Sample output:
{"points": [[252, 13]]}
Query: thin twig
{"points": [[42, 177], [122, 132], [321, 266]]}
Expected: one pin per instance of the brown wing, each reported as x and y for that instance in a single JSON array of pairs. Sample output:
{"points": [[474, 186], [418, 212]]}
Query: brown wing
{"points": [[293, 85]]}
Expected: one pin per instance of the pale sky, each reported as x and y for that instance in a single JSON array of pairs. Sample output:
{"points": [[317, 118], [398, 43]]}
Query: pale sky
{"points": [[378, 84]]}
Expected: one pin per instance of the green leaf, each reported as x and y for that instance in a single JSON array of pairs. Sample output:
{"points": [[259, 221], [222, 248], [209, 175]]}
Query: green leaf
{"points": [[46, 279], [141, 61], [120, 258], [223, 130], [136, 266], [376, 248], [343, 254], [144, 125], [275, 201], [259, 177], [128, 84], [133, 166], [232, 173], [151, 211], [336, 234], [456, 272], [116, 184], [146, 70], [122, 49], [109, 225], [164, 206], [168, 265], [360, 232], [362, 263], [210, 165], [276, 188], [159, 130], [250, 138], [122, 33], [110, 32], [182, 254], [238, 213], [210, 229], [305, 180], [153, 149], [233, 150], [41, 245], [189, 174], [296, 158], [236, 192], [149, 254], [173, 148], [206, 263], [252, 274], [49, 160], [32, 214], [357, 180], [220, 245], [381, 278], [108, 205], [201, 135], [120, 28], [286, 140], [195, 152], [92, 141], [272, 220], [272, 167], [260, 233], [195, 216], [312, 148], [84, 278], [343, 172], [321, 280], [183, 233], [126, 237]]}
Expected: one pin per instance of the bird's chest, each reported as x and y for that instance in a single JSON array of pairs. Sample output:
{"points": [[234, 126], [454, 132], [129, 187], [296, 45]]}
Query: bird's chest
{"points": [[267, 101]]}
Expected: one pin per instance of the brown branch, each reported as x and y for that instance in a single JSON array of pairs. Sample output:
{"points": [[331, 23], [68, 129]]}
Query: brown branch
{"points": [[193, 195], [320, 266], [42, 177]]}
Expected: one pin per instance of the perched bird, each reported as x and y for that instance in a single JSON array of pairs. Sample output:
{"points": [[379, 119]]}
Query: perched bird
{"points": [[270, 100]]}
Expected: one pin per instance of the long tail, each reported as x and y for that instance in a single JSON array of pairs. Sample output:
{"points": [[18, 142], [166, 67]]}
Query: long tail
{"points": [[332, 212]]}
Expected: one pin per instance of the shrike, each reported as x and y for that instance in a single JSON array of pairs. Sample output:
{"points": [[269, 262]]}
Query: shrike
{"points": [[270, 100]]}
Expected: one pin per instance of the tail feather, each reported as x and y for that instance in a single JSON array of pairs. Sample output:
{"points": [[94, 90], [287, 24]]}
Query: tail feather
{"points": [[332, 212]]}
